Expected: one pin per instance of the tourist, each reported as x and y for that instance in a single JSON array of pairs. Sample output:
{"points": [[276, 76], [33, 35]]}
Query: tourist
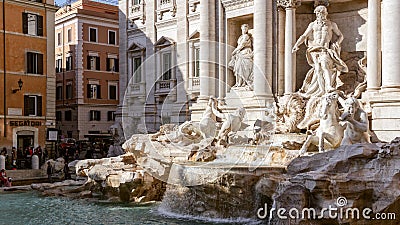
{"points": [[76, 156], [66, 171], [14, 157], [49, 172], [45, 154], [5, 181]]}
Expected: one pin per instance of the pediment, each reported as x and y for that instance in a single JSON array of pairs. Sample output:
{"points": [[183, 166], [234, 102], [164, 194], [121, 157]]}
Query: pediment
{"points": [[135, 47], [194, 35], [164, 41]]}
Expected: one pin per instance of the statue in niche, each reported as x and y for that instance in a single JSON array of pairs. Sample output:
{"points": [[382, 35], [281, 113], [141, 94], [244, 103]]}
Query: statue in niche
{"points": [[323, 55], [356, 122], [242, 59]]}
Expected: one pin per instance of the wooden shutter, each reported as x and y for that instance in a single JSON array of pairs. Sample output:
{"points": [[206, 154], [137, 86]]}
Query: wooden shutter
{"points": [[25, 23], [108, 64], [88, 89], [97, 63], [40, 63], [98, 115], [88, 62], [39, 105], [116, 64], [98, 91], [39, 25], [26, 105], [29, 62]]}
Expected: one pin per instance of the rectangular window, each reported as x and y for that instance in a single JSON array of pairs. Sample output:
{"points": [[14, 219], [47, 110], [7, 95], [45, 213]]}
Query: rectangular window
{"points": [[34, 63], [59, 91], [197, 62], [137, 73], [112, 91], [94, 91], [58, 65], [68, 115], [93, 62], [32, 24], [136, 2], [32, 105], [94, 115], [68, 90], [68, 65], [166, 66], [69, 35], [112, 37], [92, 34], [59, 40], [112, 64], [111, 116], [58, 115]]}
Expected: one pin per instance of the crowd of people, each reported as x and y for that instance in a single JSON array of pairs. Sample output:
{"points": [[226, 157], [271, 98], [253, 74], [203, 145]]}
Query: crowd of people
{"points": [[21, 158]]}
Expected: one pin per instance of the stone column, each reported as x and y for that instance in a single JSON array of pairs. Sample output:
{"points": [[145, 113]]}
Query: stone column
{"points": [[390, 45], [290, 39], [263, 48], [222, 55], [373, 46], [207, 49], [281, 51]]}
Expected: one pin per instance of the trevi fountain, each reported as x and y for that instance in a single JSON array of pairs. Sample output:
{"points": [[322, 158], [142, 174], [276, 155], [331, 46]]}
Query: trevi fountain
{"points": [[305, 157]]}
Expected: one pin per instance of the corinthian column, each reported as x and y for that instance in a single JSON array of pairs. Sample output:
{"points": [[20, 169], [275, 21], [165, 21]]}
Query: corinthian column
{"points": [[290, 38], [281, 50], [263, 48], [391, 45], [207, 49], [373, 46]]}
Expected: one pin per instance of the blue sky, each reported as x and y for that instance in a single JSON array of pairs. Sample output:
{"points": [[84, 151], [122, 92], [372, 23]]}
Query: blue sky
{"points": [[62, 2]]}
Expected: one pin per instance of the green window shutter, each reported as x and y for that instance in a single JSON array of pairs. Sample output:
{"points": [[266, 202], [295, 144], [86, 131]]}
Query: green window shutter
{"points": [[40, 63], [39, 105], [25, 23], [26, 105], [39, 25]]}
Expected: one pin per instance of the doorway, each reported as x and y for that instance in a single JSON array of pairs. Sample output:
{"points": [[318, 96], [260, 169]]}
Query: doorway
{"points": [[24, 141]]}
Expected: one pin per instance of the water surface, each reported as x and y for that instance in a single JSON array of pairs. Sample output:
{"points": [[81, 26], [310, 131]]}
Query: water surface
{"points": [[31, 208]]}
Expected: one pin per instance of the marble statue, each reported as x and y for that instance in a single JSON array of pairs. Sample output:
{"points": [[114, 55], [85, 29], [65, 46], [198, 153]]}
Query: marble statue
{"points": [[329, 128], [242, 59], [323, 55], [207, 122], [290, 114], [356, 122], [232, 122]]}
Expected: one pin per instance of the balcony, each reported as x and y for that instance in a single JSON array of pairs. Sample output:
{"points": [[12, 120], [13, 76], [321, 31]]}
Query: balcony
{"points": [[165, 86], [164, 6], [137, 12]]}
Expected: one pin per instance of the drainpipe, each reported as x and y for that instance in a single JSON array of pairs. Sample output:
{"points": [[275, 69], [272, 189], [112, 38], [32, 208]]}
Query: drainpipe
{"points": [[4, 70]]}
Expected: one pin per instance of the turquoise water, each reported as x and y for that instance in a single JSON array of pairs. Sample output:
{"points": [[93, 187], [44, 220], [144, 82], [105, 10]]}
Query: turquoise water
{"points": [[30, 208]]}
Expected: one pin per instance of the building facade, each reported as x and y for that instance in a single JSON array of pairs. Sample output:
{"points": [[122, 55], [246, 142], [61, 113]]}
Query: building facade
{"points": [[87, 68], [184, 47], [27, 66]]}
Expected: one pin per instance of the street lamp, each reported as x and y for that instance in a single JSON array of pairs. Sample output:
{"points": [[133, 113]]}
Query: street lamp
{"points": [[20, 83]]}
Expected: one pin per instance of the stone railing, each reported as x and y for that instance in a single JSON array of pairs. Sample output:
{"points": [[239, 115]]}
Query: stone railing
{"points": [[165, 86], [164, 6], [194, 84], [137, 12], [137, 89]]}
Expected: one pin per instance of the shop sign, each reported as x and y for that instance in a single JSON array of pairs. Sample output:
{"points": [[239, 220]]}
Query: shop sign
{"points": [[21, 123]]}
